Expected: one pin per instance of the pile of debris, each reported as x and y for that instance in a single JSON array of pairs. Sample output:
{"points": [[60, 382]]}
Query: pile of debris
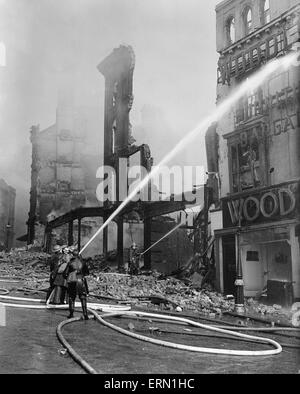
{"points": [[169, 292], [29, 265]]}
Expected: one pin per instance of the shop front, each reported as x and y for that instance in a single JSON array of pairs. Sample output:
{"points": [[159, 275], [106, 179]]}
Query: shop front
{"points": [[268, 220]]}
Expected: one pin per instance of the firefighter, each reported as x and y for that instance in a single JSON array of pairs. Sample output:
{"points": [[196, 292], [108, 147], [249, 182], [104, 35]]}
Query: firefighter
{"points": [[75, 274], [58, 293], [53, 264], [134, 260]]}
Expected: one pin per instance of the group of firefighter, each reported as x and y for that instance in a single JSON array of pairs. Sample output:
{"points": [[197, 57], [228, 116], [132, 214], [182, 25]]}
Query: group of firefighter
{"points": [[68, 271]]}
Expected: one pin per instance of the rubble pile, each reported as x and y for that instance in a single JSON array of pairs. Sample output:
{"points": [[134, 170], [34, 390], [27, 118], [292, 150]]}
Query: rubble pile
{"points": [[175, 293], [262, 309], [30, 267], [26, 265]]}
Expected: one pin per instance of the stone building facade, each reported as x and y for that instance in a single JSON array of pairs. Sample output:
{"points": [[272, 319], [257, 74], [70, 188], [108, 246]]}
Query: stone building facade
{"points": [[63, 170], [7, 215], [255, 150]]}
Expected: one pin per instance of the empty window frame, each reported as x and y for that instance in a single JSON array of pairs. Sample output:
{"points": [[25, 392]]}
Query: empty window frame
{"points": [[247, 20], [240, 63], [280, 43], [263, 51], [254, 55], [233, 66], [247, 60], [271, 47], [292, 35], [230, 30], [265, 12]]}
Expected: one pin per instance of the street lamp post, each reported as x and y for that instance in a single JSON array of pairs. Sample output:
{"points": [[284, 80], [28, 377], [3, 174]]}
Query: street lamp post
{"points": [[239, 305]]}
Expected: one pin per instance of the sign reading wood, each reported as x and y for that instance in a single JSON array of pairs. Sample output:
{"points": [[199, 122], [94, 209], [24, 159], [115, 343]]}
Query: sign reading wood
{"points": [[272, 204]]}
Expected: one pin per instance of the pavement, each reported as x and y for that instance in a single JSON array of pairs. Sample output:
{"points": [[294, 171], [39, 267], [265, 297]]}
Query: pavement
{"points": [[28, 345]]}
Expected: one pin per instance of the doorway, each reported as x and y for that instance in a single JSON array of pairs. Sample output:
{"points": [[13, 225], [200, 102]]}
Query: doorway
{"points": [[229, 263]]}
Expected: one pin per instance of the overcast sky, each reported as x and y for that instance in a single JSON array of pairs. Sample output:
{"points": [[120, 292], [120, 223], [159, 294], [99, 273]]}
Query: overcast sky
{"points": [[50, 42]]}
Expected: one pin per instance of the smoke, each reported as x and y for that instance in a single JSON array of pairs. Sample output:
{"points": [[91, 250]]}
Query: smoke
{"points": [[52, 44]]}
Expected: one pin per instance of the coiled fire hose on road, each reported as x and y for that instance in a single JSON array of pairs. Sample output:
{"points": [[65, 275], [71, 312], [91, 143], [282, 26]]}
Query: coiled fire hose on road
{"points": [[277, 346], [134, 314]]}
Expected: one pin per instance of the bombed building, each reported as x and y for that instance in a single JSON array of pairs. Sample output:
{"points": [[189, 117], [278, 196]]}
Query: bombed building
{"points": [[64, 164], [7, 215], [141, 222], [255, 152]]}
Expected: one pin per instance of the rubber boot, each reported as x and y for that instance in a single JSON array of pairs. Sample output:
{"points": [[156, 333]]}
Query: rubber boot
{"points": [[84, 309], [71, 308]]}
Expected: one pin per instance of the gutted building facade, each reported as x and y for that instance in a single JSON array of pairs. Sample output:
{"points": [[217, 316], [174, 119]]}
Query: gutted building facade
{"points": [[63, 170], [255, 151], [7, 215]]}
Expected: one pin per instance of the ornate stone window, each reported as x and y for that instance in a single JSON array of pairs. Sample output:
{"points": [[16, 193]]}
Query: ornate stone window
{"points": [[247, 20], [263, 51], [271, 47], [292, 35], [280, 43], [230, 30], [265, 12]]}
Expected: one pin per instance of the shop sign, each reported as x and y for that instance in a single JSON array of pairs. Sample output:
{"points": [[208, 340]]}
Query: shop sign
{"points": [[258, 207]]}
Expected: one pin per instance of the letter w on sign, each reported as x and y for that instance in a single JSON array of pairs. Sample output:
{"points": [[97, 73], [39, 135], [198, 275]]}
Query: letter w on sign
{"points": [[235, 209]]}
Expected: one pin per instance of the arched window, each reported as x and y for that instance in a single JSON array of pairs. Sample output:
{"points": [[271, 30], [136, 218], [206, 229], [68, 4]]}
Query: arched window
{"points": [[265, 12], [247, 18], [2, 55], [230, 30]]}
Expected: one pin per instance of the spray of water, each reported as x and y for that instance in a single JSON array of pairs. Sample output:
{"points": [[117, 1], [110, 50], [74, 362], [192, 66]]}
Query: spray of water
{"points": [[165, 236], [250, 84]]}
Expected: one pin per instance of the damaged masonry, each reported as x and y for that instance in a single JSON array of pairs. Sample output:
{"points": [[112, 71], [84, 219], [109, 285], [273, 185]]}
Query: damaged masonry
{"points": [[209, 263]]}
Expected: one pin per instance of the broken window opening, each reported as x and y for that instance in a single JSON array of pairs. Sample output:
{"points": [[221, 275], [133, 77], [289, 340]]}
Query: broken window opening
{"points": [[280, 43], [247, 17], [265, 12], [271, 46], [230, 30], [245, 162]]}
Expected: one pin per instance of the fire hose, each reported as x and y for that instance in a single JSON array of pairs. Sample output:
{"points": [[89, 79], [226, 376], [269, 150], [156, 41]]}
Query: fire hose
{"points": [[123, 311], [172, 319]]}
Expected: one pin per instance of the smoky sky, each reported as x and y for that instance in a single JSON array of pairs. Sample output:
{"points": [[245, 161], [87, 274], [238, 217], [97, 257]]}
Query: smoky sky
{"points": [[52, 44]]}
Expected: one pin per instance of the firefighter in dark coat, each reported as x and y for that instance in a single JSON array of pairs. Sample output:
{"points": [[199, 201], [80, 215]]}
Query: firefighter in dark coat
{"points": [[77, 285], [134, 260], [53, 264]]}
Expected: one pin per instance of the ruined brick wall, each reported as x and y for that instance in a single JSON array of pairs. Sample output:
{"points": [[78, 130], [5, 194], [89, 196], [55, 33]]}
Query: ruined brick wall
{"points": [[7, 215], [64, 165]]}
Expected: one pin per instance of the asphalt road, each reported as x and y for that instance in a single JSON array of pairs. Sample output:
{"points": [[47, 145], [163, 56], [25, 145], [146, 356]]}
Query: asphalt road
{"points": [[28, 345]]}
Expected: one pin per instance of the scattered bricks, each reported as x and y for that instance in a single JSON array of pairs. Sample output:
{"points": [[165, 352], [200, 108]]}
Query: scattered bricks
{"points": [[31, 267]]}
